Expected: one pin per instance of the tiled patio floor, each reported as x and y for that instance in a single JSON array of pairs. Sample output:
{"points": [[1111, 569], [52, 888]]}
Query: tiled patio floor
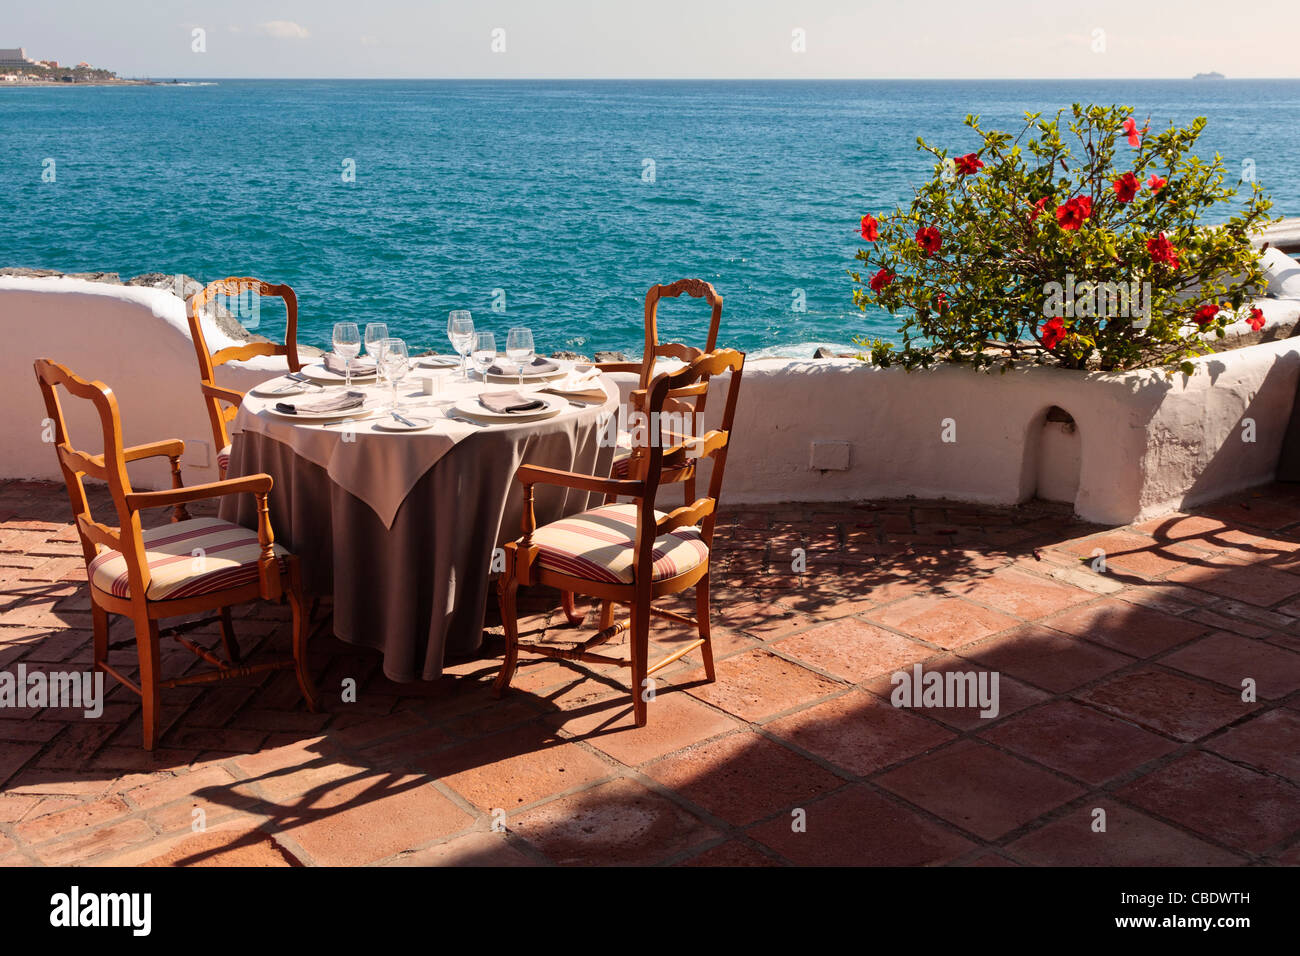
{"points": [[1120, 692]]}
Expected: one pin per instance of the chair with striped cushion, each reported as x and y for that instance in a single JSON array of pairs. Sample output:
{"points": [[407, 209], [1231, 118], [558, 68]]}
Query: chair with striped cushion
{"points": [[685, 403], [223, 403], [629, 554], [190, 565]]}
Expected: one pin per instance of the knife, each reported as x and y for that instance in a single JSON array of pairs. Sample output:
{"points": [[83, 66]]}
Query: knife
{"points": [[405, 421]]}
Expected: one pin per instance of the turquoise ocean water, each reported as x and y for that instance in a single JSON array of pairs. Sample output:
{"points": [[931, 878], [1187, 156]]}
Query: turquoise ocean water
{"points": [[536, 196]]}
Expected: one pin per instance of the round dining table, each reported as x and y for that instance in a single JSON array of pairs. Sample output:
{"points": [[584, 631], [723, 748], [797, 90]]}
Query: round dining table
{"points": [[402, 528]]}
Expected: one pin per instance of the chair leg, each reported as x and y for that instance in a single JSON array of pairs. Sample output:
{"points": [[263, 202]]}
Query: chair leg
{"points": [[507, 587], [146, 641], [571, 613], [301, 629], [639, 645], [606, 614], [228, 639], [99, 620], [702, 619]]}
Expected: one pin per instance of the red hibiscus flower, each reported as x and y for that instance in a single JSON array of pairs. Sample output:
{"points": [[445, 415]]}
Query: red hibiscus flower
{"points": [[880, 280], [928, 238], [969, 164], [1206, 314], [1038, 208], [1162, 250], [1134, 135], [870, 228], [1052, 332], [1157, 183], [940, 302], [1256, 320], [1126, 187], [1071, 214]]}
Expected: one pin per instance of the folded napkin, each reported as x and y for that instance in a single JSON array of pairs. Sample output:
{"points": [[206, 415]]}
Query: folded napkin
{"points": [[510, 402], [538, 366], [360, 366], [323, 406], [582, 384]]}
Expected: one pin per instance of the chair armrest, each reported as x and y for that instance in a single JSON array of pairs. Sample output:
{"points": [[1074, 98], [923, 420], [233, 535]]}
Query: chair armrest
{"points": [[224, 394], [170, 448], [536, 474], [619, 367], [250, 484]]}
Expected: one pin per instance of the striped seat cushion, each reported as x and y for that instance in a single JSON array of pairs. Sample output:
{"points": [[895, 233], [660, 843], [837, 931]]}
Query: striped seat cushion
{"points": [[597, 545], [223, 459], [185, 559]]}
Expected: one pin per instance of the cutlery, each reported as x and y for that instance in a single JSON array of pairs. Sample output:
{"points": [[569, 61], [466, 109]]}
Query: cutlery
{"points": [[405, 421], [467, 421]]}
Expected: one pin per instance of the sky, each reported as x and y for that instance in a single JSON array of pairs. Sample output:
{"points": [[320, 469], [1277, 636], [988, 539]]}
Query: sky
{"points": [[777, 39]]}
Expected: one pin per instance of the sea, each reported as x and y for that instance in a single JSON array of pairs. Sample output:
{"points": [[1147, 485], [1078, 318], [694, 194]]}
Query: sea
{"points": [[547, 204]]}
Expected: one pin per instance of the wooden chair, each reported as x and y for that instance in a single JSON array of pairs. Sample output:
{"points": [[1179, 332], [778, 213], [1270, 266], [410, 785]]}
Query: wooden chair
{"points": [[223, 403], [654, 349], [628, 554], [190, 565]]}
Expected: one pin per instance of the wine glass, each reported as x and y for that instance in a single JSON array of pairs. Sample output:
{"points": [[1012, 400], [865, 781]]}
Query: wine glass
{"points": [[519, 348], [485, 352], [397, 363], [460, 329], [347, 345], [376, 332]]}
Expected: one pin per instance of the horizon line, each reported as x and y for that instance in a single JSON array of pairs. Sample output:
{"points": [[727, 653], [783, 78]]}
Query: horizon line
{"points": [[729, 79]]}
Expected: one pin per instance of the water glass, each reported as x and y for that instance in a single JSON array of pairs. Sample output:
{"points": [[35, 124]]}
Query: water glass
{"points": [[376, 332], [347, 346], [460, 330], [397, 362], [519, 348], [485, 352]]}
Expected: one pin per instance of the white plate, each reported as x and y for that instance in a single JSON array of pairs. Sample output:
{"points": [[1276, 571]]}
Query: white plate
{"points": [[362, 411], [276, 389], [530, 378], [437, 361], [470, 407], [387, 423], [317, 372]]}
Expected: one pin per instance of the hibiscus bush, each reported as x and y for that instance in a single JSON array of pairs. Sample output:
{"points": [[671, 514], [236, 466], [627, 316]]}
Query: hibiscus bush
{"points": [[1085, 246]]}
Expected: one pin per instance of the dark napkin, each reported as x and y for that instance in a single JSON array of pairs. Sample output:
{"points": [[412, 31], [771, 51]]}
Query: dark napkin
{"points": [[510, 402], [538, 366], [360, 366], [323, 406]]}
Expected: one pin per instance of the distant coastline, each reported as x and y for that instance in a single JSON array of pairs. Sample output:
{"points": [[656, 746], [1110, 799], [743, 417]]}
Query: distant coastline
{"points": [[25, 82]]}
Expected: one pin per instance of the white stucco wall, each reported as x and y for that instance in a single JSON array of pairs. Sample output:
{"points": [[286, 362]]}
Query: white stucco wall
{"points": [[1146, 443], [136, 341]]}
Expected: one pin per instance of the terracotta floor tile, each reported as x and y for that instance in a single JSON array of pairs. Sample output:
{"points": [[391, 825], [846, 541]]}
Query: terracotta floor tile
{"points": [[1012, 695], [1230, 804], [742, 778], [516, 768], [860, 732], [945, 621], [1255, 584], [857, 826], [226, 848], [1026, 595], [758, 684], [1270, 742], [472, 849], [1129, 628], [1175, 706], [1078, 741], [853, 650], [620, 823], [674, 721], [368, 819], [1045, 658], [731, 853], [1131, 838], [978, 788], [1228, 659]]}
